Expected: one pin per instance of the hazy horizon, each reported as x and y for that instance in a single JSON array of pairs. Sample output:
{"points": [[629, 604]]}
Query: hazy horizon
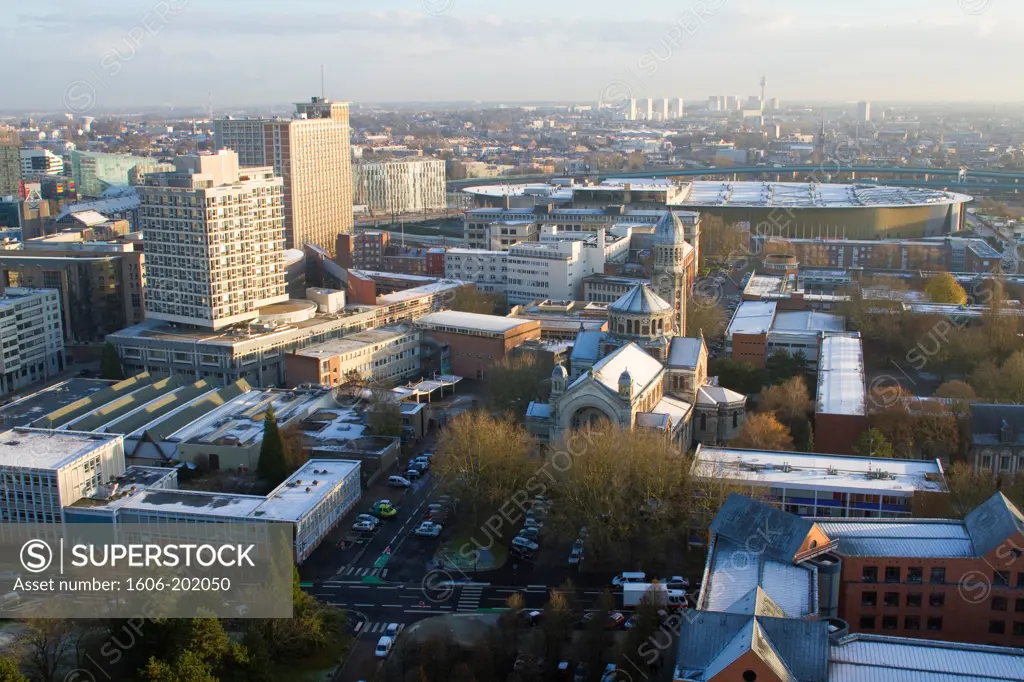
{"points": [[115, 54]]}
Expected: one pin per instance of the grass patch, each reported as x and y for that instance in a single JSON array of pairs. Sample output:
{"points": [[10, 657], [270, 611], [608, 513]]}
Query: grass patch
{"points": [[461, 548]]}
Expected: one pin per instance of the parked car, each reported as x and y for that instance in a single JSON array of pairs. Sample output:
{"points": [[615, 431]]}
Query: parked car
{"points": [[525, 544], [530, 534], [576, 555], [676, 582], [629, 577], [370, 518], [384, 509], [364, 526], [413, 474], [615, 620], [425, 462], [529, 617], [533, 523], [521, 552], [398, 482], [429, 456], [384, 646], [428, 529]]}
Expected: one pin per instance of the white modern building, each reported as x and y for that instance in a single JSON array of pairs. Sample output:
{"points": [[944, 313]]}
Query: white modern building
{"points": [[679, 110], [40, 162], [410, 185], [864, 111], [822, 485], [214, 241], [31, 337], [43, 471], [550, 269]]}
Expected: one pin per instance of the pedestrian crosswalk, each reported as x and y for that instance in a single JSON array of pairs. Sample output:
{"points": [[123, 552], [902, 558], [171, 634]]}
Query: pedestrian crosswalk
{"points": [[469, 598], [357, 572], [375, 627]]}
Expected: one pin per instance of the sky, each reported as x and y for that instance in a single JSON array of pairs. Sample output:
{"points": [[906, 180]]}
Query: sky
{"points": [[104, 54]]}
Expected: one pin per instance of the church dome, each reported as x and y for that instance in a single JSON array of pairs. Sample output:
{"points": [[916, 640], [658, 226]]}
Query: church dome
{"points": [[640, 300], [669, 230], [559, 372]]}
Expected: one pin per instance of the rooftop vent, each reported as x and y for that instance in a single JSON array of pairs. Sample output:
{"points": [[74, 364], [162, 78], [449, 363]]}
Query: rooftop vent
{"points": [[308, 489]]}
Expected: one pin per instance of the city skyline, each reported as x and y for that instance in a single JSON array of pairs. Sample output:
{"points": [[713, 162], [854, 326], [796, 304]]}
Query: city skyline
{"points": [[128, 53]]}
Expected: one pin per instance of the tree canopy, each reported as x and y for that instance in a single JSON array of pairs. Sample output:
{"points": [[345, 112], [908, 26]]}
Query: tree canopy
{"points": [[110, 363], [763, 431], [272, 466], [943, 288]]}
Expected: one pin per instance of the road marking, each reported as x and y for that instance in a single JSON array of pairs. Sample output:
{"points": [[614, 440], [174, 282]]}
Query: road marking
{"points": [[391, 606], [359, 587], [424, 611], [508, 591], [542, 587], [363, 605], [383, 572]]}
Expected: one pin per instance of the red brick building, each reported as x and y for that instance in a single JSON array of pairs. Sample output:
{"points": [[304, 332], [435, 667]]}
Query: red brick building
{"points": [[477, 341]]}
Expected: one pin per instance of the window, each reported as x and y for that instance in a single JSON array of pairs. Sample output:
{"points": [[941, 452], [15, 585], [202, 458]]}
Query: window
{"points": [[938, 575], [869, 599], [935, 623], [892, 574], [1018, 628], [867, 622], [912, 623], [1001, 578], [891, 599], [915, 574], [890, 622], [996, 627], [870, 574], [999, 603], [1019, 606], [937, 599], [914, 599], [1020, 574]]}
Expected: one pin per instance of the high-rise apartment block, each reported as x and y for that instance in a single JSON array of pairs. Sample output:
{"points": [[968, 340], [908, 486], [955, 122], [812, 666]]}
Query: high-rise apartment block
{"points": [[311, 153], [663, 106], [648, 108], [214, 241], [679, 109], [10, 162], [403, 186], [31, 337], [864, 111]]}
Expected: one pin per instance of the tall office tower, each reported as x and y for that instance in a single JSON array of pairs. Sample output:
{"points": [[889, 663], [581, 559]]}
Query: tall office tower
{"points": [[679, 111], [732, 102], [755, 102], [713, 103], [10, 162], [863, 111], [648, 111], [214, 241], [631, 113], [312, 153], [774, 104]]}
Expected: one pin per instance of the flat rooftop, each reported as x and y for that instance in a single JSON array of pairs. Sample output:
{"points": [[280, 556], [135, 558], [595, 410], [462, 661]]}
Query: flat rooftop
{"points": [[766, 285], [305, 489], [134, 480], [913, 538], [196, 502], [24, 411], [354, 342], [808, 321], [841, 385], [425, 290], [813, 471], [335, 424], [46, 449], [752, 317], [450, 320]]}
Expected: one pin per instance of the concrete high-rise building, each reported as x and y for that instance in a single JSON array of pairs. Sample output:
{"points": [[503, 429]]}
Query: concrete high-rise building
{"points": [[755, 102], [716, 103], [679, 110], [31, 338], [773, 104], [40, 162], [663, 106], [402, 186], [631, 113], [214, 241], [863, 111], [648, 108], [10, 162], [312, 153]]}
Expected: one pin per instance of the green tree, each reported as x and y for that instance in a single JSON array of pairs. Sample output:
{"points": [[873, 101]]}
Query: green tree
{"points": [[782, 366], [943, 288], [272, 466], [385, 414], [469, 300], [208, 655], [110, 363], [9, 671], [738, 376], [873, 443]]}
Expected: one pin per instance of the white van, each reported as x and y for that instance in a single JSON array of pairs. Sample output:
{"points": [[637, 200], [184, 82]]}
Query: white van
{"points": [[629, 577]]}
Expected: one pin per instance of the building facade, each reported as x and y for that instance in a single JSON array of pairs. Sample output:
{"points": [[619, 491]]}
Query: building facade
{"points": [[997, 439], [31, 337], [362, 250], [10, 162], [412, 185], [384, 356], [311, 152], [40, 162], [477, 342], [96, 172], [214, 239]]}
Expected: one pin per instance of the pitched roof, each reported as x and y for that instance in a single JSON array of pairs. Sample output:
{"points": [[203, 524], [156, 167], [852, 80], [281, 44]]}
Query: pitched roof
{"points": [[993, 523], [640, 300], [740, 516], [987, 423], [684, 352], [757, 603], [796, 650], [642, 368], [587, 345], [717, 395]]}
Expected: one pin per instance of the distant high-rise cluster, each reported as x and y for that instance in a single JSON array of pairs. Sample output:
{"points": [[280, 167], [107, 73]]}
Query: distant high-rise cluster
{"points": [[312, 153], [649, 109]]}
